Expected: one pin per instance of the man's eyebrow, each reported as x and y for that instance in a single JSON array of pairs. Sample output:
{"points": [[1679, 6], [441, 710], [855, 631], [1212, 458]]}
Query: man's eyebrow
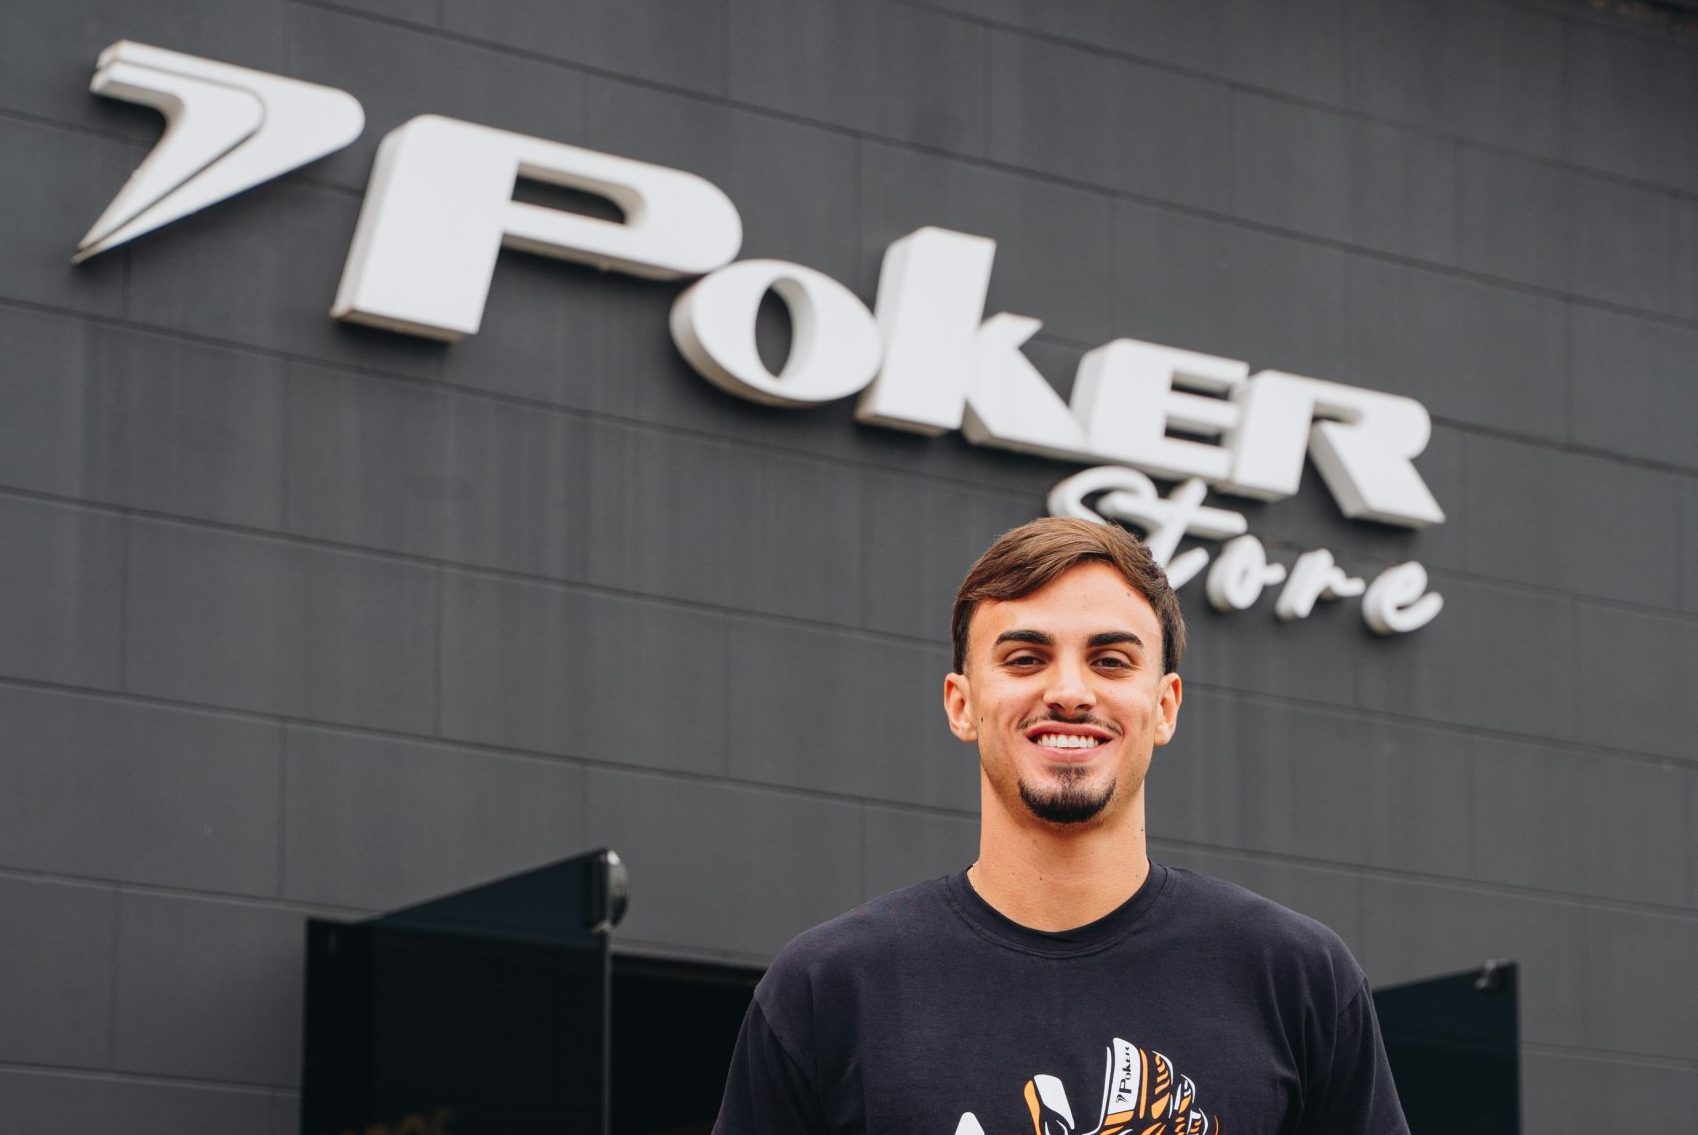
{"points": [[1041, 638]]}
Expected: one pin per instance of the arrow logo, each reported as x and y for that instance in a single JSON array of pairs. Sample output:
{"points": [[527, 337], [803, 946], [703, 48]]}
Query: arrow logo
{"points": [[227, 129]]}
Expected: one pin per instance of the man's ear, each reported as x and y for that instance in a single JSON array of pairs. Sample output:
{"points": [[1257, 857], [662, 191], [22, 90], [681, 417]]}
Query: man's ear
{"points": [[1172, 693], [958, 707]]}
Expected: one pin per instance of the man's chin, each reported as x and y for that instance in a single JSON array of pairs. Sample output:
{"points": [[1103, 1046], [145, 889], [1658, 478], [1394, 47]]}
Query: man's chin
{"points": [[1068, 802]]}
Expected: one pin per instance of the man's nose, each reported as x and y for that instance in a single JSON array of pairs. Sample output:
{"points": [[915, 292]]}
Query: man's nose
{"points": [[1070, 689]]}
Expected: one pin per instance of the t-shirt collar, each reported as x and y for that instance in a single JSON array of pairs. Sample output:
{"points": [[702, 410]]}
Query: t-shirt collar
{"points": [[1093, 936]]}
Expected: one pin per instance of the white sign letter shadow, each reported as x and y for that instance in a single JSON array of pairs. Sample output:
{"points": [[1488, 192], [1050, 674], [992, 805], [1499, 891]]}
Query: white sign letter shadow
{"points": [[440, 207], [227, 129]]}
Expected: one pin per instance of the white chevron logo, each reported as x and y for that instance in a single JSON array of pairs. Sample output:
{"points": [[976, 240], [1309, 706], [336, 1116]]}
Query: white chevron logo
{"points": [[227, 129]]}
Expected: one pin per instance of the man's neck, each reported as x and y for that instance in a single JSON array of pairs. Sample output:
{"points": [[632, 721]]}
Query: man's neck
{"points": [[1057, 876]]}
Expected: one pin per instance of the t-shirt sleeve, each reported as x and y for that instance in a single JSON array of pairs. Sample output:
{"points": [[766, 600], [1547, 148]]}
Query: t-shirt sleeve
{"points": [[1357, 1095], [768, 1091]]}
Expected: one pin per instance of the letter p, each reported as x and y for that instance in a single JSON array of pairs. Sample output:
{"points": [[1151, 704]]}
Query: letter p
{"points": [[440, 207]]}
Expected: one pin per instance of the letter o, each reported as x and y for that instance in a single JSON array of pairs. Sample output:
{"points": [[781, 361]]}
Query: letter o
{"points": [[834, 343], [1240, 573]]}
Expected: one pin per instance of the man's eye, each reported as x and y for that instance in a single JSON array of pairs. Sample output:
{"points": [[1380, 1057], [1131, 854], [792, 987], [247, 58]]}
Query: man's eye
{"points": [[1025, 661], [1114, 662]]}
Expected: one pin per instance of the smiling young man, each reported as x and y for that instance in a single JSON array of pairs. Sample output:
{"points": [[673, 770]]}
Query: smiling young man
{"points": [[1063, 984]]}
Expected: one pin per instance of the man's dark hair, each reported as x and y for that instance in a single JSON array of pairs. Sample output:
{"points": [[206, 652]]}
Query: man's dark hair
{"points": [[1036, 554]]}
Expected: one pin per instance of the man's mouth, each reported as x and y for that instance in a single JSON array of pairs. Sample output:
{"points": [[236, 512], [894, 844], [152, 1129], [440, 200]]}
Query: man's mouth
{"points": [[1068, 736], [1066, 741]]}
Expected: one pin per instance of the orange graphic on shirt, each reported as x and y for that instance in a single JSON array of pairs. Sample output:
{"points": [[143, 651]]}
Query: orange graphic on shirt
{"points": [[1142, 1095]]}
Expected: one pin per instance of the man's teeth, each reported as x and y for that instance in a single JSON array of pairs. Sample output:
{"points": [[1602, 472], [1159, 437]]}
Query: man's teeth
{"points": [[1067, 741]]}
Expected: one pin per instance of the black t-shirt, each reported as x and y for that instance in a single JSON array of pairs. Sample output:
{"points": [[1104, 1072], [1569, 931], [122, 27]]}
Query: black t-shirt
{"points": [[1196, 1007]]}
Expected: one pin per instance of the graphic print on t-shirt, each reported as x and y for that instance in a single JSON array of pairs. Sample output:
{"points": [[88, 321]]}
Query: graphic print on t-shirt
{"points": [[1142, 1095]]}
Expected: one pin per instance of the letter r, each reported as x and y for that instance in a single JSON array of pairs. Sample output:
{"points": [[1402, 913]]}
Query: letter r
{"points": [[440, 207]]}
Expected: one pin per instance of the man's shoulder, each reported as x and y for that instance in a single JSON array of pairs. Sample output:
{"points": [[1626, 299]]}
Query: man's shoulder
{"points": [[902, 919], [809, 993], [1232, 913]]}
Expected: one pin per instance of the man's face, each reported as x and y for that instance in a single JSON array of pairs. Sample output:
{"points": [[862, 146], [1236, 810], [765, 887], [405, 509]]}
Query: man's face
{"points": [[1063, 691]]}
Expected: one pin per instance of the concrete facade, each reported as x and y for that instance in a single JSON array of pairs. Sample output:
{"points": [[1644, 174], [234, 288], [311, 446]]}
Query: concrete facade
{"points": [[299, 618]]}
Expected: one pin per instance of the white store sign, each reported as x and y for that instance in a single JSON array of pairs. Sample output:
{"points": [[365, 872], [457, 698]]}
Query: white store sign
{"points": [[925, 358]]}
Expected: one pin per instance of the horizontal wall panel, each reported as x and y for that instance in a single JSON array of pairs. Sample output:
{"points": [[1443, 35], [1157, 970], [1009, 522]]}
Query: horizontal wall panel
{"points": [[1692, 838], [814, 709], [420, 12], [579, 674], [1299, 51], [1689, 542], [869, 65], [1551, 227], [1489, 72], [140, 420], [414, 469], [791, 866], [1683, 245], [1367, 792], [267, 625], [919, 539], [1582, 824], [377, 824], [1414, 930], [717, 523], [1322, 786], [398, 73], [51, 1102], [1339, 178], [46, 73], [1208, 286], [1578, 1092], [1250, 651], [1244, 41], [1631, 384], [1621, 94], [1473, 353], [652, 39], [1630, 1006], [56, 944], [1403, 192], [61, 571], [143, 794], [1639, 671], [84, 174], [1616, 522], [1590, 978], [1495, 658], [367, 462], [1114, 122], [209, 990]]}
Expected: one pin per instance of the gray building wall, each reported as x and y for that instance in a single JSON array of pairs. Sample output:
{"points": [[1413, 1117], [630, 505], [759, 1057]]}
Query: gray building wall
{"points": [[298, 618]]}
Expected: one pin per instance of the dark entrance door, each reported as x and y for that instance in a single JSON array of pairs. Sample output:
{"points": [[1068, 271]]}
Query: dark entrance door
{"points": [[674, 1026], [1453, 1047], [482, 1013]]}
